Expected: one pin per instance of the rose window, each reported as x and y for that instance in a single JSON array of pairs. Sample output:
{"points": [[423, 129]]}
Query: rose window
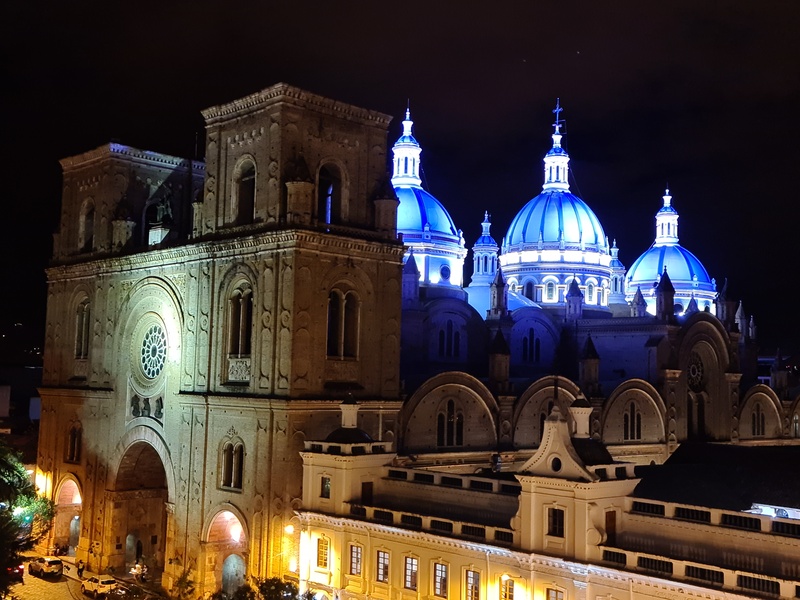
{"points": [[154, 351], [695, 373]]}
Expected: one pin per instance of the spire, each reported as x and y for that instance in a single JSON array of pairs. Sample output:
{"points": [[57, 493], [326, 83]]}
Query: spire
{"points": [[556, 161], [638, 304], [666, 223], [406, 152]]}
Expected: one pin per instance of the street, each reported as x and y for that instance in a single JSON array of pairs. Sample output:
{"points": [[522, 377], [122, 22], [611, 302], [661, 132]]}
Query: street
{"points": [[38, 588]]}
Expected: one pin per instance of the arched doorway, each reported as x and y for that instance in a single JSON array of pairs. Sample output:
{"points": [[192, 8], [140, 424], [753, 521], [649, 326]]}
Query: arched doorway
{"points": [[139, 510], [67, 521], [227, 539]]}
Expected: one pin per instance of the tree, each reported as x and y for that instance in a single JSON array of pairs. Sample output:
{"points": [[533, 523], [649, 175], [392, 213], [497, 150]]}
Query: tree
{"points": [[24, 516], [272, 588]]}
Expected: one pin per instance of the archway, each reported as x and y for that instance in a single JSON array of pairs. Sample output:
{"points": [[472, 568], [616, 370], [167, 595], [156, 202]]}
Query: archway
{"points": [[67, 521], [139, 509], [227, 539]]}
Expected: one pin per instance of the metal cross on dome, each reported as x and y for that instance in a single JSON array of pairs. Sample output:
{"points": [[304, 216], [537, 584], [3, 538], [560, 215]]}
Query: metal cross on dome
{"points": [[557, 111]]}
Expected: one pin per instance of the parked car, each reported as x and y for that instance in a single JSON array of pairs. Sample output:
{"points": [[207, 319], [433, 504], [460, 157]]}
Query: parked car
{"points": [[15, 574], [46, 565], [98, 586]]}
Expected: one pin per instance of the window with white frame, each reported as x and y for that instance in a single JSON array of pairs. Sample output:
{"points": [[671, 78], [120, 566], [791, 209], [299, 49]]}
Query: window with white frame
{"points": [[382, 566], [440, 580], [410, 573], [355, 559], [325, 487], [472, 587]]}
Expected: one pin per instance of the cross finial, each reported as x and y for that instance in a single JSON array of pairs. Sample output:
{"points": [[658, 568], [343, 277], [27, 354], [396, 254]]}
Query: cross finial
{"points": [[557, 111], [408, 109]]}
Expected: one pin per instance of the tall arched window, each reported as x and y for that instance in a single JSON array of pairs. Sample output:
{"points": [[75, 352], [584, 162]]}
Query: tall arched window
{"points": [[74, 440], [232, 471], [590, 293], [86, 227], [530, 347], [632, 423], [344, 323], [449, 340], [329, 195], [450, 426], [240, 321], [245, 190], [550, 291], [82, 318], [529, 290], [758, 421]]}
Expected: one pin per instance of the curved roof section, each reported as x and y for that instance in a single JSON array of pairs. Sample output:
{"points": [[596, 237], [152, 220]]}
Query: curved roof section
{"points": [[418, 208], [682, 266], [349, 435], [552, 217]]}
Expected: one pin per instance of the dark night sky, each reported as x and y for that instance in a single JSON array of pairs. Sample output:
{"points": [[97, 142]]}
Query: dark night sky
{"points": [[703, 95]]}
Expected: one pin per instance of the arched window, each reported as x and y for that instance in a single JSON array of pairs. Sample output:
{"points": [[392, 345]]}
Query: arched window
{"points": [[529, 290], [240, 321], [758, 420], [86, 227], [530, 347], [550, 291], [450, 426], [449, 341], [329, 195], [344, 315], [74, 440], [82, 318], [245, 190], [232, 465], [590, 293], [632, 424]]}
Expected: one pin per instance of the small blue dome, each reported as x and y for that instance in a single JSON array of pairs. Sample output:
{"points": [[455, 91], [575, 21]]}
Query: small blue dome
{"points": [[549, 214], [418, 208], [682, 266]]}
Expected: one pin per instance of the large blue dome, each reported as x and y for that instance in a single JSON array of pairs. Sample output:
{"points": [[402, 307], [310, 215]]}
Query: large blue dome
{"points": [[417, 209], [552, 217], [682, 266]]}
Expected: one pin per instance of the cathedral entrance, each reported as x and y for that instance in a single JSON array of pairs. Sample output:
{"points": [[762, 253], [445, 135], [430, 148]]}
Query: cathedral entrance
{"points": [[67, 521], [138, 511], [227, 550]]}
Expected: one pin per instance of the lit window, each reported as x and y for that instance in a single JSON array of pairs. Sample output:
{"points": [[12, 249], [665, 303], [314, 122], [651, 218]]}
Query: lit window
{"points": [[590, 293], [329, 195], [322, 553], [355, 560], [382, 571], [550, 291], [554, 594], [410, 573], [555, 522], [325, 487], [473, 585], [507, 589], [440, 580]]}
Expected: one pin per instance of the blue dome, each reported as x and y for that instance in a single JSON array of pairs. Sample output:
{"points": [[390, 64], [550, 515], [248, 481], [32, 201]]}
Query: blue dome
{"points": [[549, 214], [682, 266], [418, 208]]}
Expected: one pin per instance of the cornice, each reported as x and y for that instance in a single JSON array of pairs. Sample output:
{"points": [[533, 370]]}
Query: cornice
{"points": [[283, 92], [244, 247], [115, 150]]}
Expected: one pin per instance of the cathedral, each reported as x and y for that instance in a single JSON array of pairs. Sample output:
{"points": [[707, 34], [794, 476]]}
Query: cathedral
{"points": [[269, 363]]}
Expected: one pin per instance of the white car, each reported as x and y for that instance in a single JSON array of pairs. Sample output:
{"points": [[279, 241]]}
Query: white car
{"points": [[46, 565], [98, 586]]}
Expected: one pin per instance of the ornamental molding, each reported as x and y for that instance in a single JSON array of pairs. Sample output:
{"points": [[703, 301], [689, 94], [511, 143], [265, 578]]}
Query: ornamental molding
{"points": [[286, 93], [115, 150]]}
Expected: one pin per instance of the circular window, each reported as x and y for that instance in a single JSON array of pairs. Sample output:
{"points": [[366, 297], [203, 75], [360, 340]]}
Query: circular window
{"points": [[555, 464], [695, 372], [445, 272], [154, 351]]}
